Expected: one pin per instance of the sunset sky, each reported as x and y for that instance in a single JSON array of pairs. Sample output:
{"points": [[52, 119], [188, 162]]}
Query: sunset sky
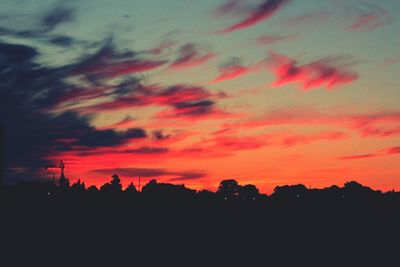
{"points": [[267, 92]]}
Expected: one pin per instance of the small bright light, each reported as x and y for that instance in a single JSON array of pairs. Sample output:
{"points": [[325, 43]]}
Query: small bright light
{"points": [[254, 198], [298, 195], [226, 198], [48, 193]]}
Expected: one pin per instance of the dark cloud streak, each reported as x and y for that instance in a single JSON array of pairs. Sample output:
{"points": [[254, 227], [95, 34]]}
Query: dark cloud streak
{"points": [[27, 90], [263, 12], [153, 173]]}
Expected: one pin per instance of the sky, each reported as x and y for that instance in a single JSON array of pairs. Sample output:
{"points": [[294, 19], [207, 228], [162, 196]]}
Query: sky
{"points": [[267, 92]]}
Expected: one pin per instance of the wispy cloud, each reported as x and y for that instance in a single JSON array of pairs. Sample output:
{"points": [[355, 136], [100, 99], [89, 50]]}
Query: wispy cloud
{"points": [[58, 15], [327, 72], [201, 110], [261, 13], [380, 153], [233, 69], [185, 101], [144, 150], [189, 55], [378, 124], [166, 174], [163, 47], [308, 19], [122, 124], [368, 17], [226, 143], [230, 6], [109, 63], [271, 39], [43, 30]]}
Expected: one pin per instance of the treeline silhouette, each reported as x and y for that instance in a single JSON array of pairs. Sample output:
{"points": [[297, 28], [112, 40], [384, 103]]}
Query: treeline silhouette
{"points": [[44, 224], [228, 190]]}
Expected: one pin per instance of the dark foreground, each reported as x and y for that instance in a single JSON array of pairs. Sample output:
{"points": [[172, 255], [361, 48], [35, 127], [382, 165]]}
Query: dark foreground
{"points": [[124, 230]]}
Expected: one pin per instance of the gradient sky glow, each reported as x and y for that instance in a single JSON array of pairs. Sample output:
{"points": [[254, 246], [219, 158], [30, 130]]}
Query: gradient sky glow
{"points": [[267, 92]]}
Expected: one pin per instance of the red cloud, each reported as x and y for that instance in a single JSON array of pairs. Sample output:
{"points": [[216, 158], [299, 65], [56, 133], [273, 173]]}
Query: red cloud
{"points": [[224, 144], [381, 153], [383, 124], [393, 150], [234, 69], [325, 72], [358, 156], [379, 131], [264, 11], [376, 125], [189, 56], [162, 47], [231, 72]]}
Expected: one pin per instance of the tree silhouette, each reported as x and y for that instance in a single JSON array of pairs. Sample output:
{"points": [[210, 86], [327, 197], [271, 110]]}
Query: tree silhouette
{"points": [[354, 190], [290, 191], [167, 191], [114, 186], [228, 189], [249, 192]]}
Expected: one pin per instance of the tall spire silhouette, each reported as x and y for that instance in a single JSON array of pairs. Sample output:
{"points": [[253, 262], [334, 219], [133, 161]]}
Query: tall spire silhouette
{"points": [[63, 181]]}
